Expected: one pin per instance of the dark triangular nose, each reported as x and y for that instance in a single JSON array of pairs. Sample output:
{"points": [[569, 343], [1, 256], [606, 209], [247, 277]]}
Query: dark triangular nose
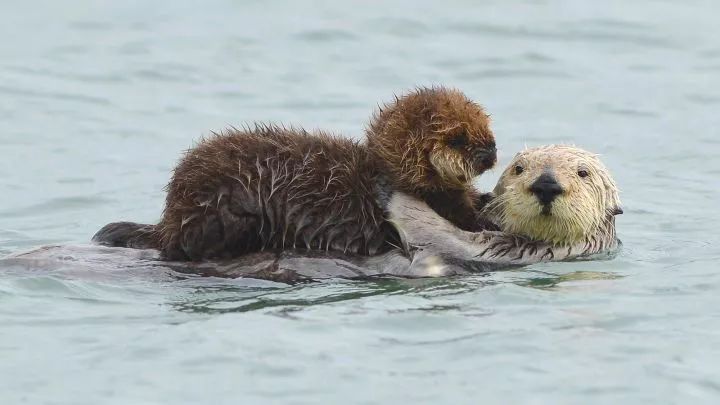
{"points": [[546, 188]]}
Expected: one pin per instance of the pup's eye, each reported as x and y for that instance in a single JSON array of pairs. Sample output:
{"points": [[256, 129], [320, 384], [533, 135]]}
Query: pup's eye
{"points": [[583, 173], [518, 169], [459, 141]]}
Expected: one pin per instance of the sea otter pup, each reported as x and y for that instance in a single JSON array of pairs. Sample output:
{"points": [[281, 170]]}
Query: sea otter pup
{"points": [[431, 144], [552, 202], [271, 187]]}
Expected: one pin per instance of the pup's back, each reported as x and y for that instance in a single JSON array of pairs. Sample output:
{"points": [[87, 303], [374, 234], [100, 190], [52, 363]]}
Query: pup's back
{"points": [[272, 187]]}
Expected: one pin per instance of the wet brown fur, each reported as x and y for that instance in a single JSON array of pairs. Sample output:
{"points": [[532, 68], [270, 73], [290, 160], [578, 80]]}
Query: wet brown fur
{"points": [[432, 142], [246, 190]]}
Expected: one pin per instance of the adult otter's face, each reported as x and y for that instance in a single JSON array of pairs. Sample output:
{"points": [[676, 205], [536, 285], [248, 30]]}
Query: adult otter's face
{"points": [[555, 193], [433, 139]]}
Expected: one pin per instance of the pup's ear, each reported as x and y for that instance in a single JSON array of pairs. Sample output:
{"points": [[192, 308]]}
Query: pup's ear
{"points": [[617, 210]]}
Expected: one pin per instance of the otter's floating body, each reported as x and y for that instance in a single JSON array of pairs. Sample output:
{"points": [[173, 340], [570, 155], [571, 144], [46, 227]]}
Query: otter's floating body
{"points": [[563, 192]]}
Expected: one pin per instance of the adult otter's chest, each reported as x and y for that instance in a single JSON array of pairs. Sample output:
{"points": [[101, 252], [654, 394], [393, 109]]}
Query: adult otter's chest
{"points": [[273, 188]]}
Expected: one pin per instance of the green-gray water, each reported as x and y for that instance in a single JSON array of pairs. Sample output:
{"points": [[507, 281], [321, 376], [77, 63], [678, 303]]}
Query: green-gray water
{"points": [[98, 99]]}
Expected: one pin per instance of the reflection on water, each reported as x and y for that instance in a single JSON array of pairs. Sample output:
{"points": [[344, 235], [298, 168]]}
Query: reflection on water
{"points": [[551, 281], [224, 298], [229, 299], [99, 99]]}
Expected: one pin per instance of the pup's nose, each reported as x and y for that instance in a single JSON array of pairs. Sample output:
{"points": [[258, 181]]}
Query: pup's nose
{"points": [[484, 159], [546, 188]]}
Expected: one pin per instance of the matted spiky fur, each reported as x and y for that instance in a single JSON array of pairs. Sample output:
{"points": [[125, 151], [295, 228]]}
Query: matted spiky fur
{"points": [[432, 142], [583, 212], [273, 187]]}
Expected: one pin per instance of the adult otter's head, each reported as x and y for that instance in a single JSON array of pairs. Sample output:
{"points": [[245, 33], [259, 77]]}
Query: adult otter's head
{"points": [[557, 193], [433, 139]]}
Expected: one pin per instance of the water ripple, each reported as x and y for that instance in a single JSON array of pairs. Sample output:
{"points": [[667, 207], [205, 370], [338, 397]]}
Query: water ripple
{"points": [[56, 205], [62, 96], [567, 34], [118, 91], [325, 35]]}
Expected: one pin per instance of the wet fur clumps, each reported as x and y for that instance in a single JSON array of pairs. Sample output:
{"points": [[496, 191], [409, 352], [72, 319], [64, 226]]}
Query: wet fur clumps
{"points": [[271, 187], [582, 213], [432, 143]]}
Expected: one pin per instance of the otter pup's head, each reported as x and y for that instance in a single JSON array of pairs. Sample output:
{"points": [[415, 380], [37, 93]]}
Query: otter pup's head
{"points": [[557, 193], [433, 139]]}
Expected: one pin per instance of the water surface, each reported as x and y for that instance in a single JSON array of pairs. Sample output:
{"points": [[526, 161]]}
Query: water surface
{"points": [[98, 100]]}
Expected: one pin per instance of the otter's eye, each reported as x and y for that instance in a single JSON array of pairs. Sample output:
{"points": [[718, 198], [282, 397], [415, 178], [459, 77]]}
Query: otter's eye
{"points": [[583, 173], [518, 169], [459, 141]]}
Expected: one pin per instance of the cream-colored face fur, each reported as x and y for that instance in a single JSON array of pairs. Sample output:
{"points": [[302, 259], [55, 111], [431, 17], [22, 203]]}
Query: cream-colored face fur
{"points": [[454, 169], [588, 200]]}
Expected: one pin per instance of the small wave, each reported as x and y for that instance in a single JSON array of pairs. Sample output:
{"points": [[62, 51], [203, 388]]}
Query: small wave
{"points": [[566, 34], [325, 35], [54, 205], [82, 98], [513, 73]]}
